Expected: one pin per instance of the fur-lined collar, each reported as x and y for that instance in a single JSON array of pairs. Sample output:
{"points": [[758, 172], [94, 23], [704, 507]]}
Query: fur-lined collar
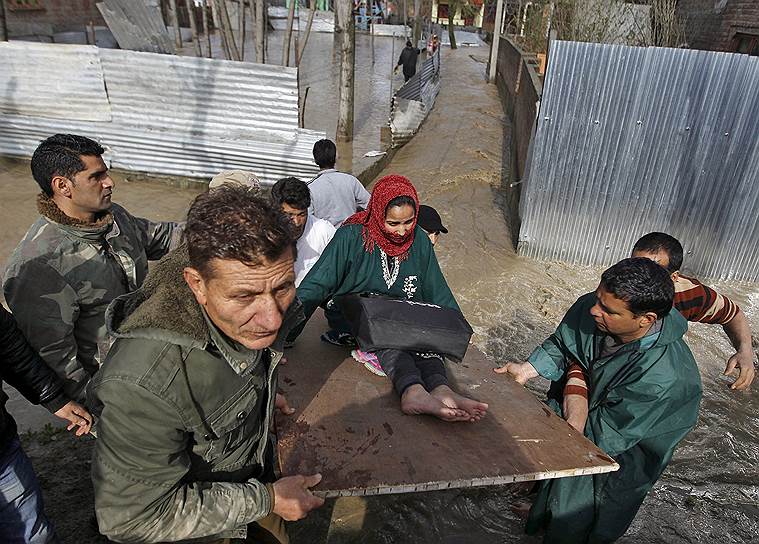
{"points": [[164, 302], [47, 208]]}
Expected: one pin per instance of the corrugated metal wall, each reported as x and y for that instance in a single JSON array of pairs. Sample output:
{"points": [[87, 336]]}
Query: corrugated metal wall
{"points": [[165, 114], [632, 140], [414, 100]]}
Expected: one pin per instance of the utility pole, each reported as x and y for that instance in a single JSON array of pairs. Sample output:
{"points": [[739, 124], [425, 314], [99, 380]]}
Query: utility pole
{"points": [[494, 43], [347, 67], [260, 7], [175, 23]]}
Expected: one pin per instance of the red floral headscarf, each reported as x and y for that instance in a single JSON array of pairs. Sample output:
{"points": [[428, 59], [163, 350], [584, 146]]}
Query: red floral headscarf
{"points": [[373, 218]]}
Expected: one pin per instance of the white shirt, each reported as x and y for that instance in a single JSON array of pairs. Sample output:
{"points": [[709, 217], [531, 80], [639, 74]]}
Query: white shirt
{"points": [[316, 235], [335, 196]]}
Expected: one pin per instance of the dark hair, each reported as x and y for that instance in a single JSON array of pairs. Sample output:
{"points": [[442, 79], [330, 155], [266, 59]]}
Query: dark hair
{"points": [[408, 43], [325, 153], [654, 242], [291, 191], [399, 201], [234, 222], [59, 156], [642, 284]]}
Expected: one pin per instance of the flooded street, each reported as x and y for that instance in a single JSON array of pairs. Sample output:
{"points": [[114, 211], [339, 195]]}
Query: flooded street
{"points": [[319, 74], [458, 161]]}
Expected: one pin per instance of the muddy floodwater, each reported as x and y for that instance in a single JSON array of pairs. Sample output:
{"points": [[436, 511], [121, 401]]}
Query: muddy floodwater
{"points": [[318, 78], [708, 494]]}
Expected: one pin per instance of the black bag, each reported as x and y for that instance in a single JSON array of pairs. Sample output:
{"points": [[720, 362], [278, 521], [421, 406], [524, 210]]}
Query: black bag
{"points": [[381, 322]]}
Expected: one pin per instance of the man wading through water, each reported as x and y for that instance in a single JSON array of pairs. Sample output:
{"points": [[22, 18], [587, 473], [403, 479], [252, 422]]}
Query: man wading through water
{"points": [[187, 391], [408, 59]]}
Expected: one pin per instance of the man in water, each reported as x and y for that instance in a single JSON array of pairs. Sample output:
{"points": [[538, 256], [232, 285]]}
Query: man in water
{"points": [[644, 396], [408, 59], [335, 196]]}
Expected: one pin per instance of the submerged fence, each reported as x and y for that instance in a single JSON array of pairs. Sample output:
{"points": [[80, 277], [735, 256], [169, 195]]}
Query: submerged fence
{"points": [[631, 140], [414, 100], [156, 113]]}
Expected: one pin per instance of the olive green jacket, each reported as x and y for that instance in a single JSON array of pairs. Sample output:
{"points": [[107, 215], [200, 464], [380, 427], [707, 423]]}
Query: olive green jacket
{"points": [[64, 273], [183, 449]]}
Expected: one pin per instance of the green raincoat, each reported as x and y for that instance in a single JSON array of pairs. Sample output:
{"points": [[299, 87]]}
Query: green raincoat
{"points": [[643, 399]]}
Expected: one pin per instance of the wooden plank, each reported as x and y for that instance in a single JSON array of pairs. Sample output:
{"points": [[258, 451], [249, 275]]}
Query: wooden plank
{"points": [[348, 426]]}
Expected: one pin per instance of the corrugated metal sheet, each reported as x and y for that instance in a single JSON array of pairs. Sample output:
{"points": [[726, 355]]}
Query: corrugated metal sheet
{"points": [[186, 116], [191, 94], [137, 25], [632, 140], [413, 102], [62, 81]]}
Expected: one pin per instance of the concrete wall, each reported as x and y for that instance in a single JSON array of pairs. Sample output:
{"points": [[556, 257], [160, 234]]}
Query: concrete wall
{"points": [[712, 24], [53, 16]]}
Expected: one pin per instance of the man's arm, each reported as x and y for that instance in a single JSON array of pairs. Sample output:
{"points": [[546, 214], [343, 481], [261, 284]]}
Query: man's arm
{"points": [[739, 332], [139, 468], [159, 237], [24, 370], [46, 309], [700, 303]]}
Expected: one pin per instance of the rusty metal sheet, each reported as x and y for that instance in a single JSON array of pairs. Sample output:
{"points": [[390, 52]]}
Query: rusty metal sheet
{"points": [[348, 426]]}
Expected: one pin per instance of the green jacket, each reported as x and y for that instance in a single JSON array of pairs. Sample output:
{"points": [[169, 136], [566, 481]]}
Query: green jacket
{"points": [[64, 273], [643, 400], [344, 268], [183, 449]]}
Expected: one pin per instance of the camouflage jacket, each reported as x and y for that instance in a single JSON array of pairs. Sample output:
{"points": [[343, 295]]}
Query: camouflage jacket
{"points": [[183, 449], [64, 273]]}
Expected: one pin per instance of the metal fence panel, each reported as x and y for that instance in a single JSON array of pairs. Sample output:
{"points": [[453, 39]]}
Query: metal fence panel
{"points": [[199, 95], [414, 100], [632, 140], [137, 25], [186, 117], [61, 82]]}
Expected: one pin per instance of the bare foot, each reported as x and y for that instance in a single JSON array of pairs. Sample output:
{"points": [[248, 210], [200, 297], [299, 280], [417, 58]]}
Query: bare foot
{"points": [[416, 400], [448, 397]]}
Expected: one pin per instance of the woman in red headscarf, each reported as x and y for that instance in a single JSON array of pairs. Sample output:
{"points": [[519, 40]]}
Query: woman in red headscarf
{"points": [[381, 250]]}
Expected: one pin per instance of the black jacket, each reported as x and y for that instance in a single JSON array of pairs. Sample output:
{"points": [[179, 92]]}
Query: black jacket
{"points": [[21, 367], [408, 60]]}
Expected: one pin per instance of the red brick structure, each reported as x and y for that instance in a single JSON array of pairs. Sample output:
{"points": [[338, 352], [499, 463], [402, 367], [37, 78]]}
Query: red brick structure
{"points": [[721, 25], [45, 17]]}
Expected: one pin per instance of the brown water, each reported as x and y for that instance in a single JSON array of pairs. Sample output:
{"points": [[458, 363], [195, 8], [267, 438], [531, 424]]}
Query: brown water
{"points": [[318, 83], [709, 493]]}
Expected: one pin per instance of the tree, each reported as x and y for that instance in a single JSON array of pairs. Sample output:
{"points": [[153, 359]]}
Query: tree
{"points": [[466, 9], [344, 12]]}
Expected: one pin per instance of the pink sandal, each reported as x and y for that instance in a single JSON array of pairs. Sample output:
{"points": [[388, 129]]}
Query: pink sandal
{"points": [[369, 360]]}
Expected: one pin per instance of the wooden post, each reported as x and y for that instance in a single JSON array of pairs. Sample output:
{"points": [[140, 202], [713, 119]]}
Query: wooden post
{"points": [[308, 31], [206, 31], [175, 23], [3, 24], [260, 7], [494, 43], [226, 30], [417, 22], [288, 34], [241, 27], [194, 28], [347, 67]]}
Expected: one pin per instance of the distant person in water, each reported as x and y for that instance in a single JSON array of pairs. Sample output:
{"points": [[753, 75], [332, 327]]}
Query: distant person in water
{"points": [[431, 223], [408, 59], [382, 251]]}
